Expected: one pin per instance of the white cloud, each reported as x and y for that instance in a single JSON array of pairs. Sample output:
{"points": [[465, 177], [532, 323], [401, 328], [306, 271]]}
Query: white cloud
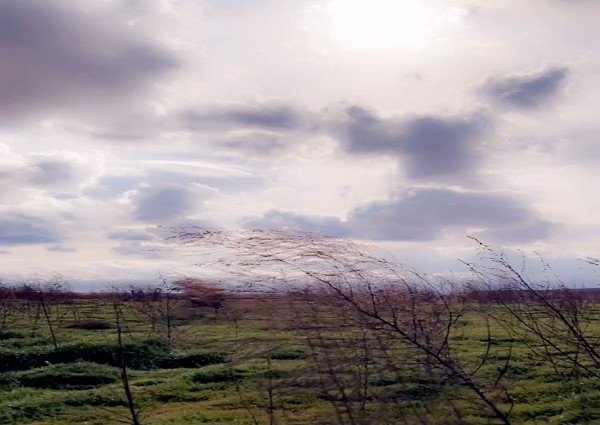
{"points": [[136, 113]]}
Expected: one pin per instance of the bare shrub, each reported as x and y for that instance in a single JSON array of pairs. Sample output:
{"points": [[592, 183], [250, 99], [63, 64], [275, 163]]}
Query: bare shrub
{"points": [[49, 302], [554, 319], [366, 320], [7, 305]]}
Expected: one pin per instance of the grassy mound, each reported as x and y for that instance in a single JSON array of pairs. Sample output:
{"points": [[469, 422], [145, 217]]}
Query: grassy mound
{"points": [[73, 376], [140, 355]]}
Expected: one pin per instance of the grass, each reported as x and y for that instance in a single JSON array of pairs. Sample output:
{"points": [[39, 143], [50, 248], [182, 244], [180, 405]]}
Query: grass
{"points": [[70, 376], [222, 371]]}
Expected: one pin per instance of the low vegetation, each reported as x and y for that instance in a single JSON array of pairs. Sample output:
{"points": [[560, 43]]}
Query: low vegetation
{"points": [[350, 345]]}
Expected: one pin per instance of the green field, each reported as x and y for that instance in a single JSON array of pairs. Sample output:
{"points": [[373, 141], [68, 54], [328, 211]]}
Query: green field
{"points": [[277, 361]]}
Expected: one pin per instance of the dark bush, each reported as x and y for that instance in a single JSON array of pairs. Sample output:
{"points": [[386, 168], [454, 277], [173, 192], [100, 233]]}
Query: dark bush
{"points": [[214, 376], [418, 392], [140, 355], [194, 360], [18, 360], [8, 380], [92, 325], [148, 382], [69, 376], [9, 335], [271, 374]]}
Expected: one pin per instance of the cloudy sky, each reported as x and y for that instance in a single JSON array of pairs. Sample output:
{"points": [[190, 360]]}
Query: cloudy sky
{"points": [[408, 124]]}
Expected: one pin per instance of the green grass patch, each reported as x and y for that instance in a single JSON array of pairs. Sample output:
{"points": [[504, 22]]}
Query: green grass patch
{"points": [[72, 376], [219, 371]]}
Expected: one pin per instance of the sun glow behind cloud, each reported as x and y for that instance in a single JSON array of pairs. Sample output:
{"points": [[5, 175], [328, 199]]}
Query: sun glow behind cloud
{"points": [[379, 24]]}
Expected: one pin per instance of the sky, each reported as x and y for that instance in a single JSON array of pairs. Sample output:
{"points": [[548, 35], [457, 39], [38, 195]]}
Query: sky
{"points": [[405, 124]]}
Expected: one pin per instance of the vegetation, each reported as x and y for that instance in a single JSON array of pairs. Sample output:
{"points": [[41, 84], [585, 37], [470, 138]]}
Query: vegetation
{"points": [[347, 338]]}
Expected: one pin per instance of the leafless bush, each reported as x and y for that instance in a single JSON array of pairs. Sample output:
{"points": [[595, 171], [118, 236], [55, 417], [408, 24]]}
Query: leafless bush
{"points": [[7, 305], [47, 302], [364, 317], [555, 320]]}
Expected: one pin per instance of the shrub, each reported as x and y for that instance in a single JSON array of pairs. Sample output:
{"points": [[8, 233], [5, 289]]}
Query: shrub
{"points": [[140, 355], [18, 359], [92, 325], [217, 376], [69, 376], [9, 335], [8, 380], [194, 360], [16, 414], [148, 382], [418, 392]]}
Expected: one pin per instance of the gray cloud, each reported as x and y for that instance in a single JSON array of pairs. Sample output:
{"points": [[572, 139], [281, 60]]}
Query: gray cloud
{"points": [[259, 143], [56, 171], [55, 55], [20, 229], [520, 233], [270, 115], [60, 174], [109, 187], [50, 172], [526, 91], [430, 147], [423, 215], [256, 130], [253, 127], [159, 204]]}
